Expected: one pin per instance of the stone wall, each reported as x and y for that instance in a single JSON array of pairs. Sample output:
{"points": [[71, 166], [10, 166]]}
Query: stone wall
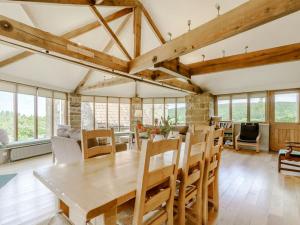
{"points": [[74, 110], [199, 109]]}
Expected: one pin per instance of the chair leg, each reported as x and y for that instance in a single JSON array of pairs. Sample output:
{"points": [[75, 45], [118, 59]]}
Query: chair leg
{"points": [[279, 164], [205, 206], [216, 195]]}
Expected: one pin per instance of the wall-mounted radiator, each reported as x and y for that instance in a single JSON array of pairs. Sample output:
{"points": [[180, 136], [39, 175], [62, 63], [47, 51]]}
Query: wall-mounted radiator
{"points": [[27, 151]]}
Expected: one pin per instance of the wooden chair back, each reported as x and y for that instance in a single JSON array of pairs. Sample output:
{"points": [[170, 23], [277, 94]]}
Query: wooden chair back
{"points": [[156, 182], [209, 132], [191, 178], [89, 152], [211, 176]]}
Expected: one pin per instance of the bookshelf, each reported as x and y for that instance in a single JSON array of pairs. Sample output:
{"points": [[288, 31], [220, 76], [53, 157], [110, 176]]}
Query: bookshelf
{"points": [[228, 133]]}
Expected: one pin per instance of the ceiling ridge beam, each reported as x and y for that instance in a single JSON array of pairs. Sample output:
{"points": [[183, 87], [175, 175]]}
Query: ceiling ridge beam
{"points": [[126, 3], [107, 83], [110, 31], [242, 18], [70, 34], [286, 53], [23, 36]]}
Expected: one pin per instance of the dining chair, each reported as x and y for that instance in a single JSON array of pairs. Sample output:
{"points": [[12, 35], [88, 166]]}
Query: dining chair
{"points": [[211, 177], [89, 152], [219, 137], [156, 184], [188, 200]]}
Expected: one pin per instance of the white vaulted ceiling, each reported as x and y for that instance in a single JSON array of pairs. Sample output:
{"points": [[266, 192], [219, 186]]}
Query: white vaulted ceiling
{"points": [[170, 16]]}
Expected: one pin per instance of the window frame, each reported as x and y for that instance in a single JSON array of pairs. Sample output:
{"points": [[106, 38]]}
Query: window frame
{"points": [[248, 97], [273, 115], [15, 90]]}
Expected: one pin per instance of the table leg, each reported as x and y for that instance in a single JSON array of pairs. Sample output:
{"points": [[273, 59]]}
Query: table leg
{"points": [[64, 208], [110, 217], [76, 217]]}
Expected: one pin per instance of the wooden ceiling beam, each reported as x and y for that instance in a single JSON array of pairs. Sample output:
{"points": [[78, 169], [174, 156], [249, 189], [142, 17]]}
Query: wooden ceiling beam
{"points": [[24, 36], [126, 3], [71, 34], [247, 16], [137, 25], [183, 85], [280, 54], [175, 68], [110, 31], [155, 75], [107, 83], [91, 26]]}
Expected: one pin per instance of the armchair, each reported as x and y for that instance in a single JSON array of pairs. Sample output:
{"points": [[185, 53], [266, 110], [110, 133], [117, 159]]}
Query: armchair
{"points": [[249, 136], [291, 154]]}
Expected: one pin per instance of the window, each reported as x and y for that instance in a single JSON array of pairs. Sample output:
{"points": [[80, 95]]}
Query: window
{"points": [[287, 107], [170, 110], [113, 113], [26, 115], [258, 107], [59, 111], [158, 110], [7, 121], [181, 110], [87, 112], [224, 107], [239, 108], [148, 111], [124, 114], [44, 113], [101, 112]]}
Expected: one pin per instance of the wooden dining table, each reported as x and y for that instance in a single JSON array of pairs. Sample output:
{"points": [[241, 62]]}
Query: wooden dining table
{"points": [[97, 186]]}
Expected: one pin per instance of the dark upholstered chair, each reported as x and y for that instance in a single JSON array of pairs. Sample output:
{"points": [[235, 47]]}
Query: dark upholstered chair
{"points": [[248, 136], [291, 154]]}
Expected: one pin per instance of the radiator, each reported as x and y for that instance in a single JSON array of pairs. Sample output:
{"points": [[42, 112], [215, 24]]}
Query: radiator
{"points": [[23, 152]]}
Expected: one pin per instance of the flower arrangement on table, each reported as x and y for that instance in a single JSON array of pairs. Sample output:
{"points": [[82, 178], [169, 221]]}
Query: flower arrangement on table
{"points": [[163, 128]]}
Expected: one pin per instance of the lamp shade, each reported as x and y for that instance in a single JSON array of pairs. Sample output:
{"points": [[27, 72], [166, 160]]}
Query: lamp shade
{"points": [[138, 113]]}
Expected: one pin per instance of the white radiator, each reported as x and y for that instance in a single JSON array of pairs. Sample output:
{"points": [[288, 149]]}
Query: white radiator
{"points": [[23, 152]]}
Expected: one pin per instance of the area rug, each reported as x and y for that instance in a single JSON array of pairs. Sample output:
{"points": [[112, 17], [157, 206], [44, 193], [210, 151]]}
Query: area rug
{"points": [[4, 179]]}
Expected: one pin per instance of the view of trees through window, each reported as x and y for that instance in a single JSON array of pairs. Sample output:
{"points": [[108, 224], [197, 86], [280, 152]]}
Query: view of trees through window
{"points": [[7, 113], [29, 110], [239, 107], [25, 117], [287, 107], [223, 108], [257, 108], [44, 117]]}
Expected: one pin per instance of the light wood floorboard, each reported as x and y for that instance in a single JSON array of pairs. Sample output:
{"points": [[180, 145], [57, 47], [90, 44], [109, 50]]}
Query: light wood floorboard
{"points": [[251, 192]]}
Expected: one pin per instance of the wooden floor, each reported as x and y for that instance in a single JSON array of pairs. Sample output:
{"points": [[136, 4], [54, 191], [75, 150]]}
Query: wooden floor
{"points": [[251, 192]]}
